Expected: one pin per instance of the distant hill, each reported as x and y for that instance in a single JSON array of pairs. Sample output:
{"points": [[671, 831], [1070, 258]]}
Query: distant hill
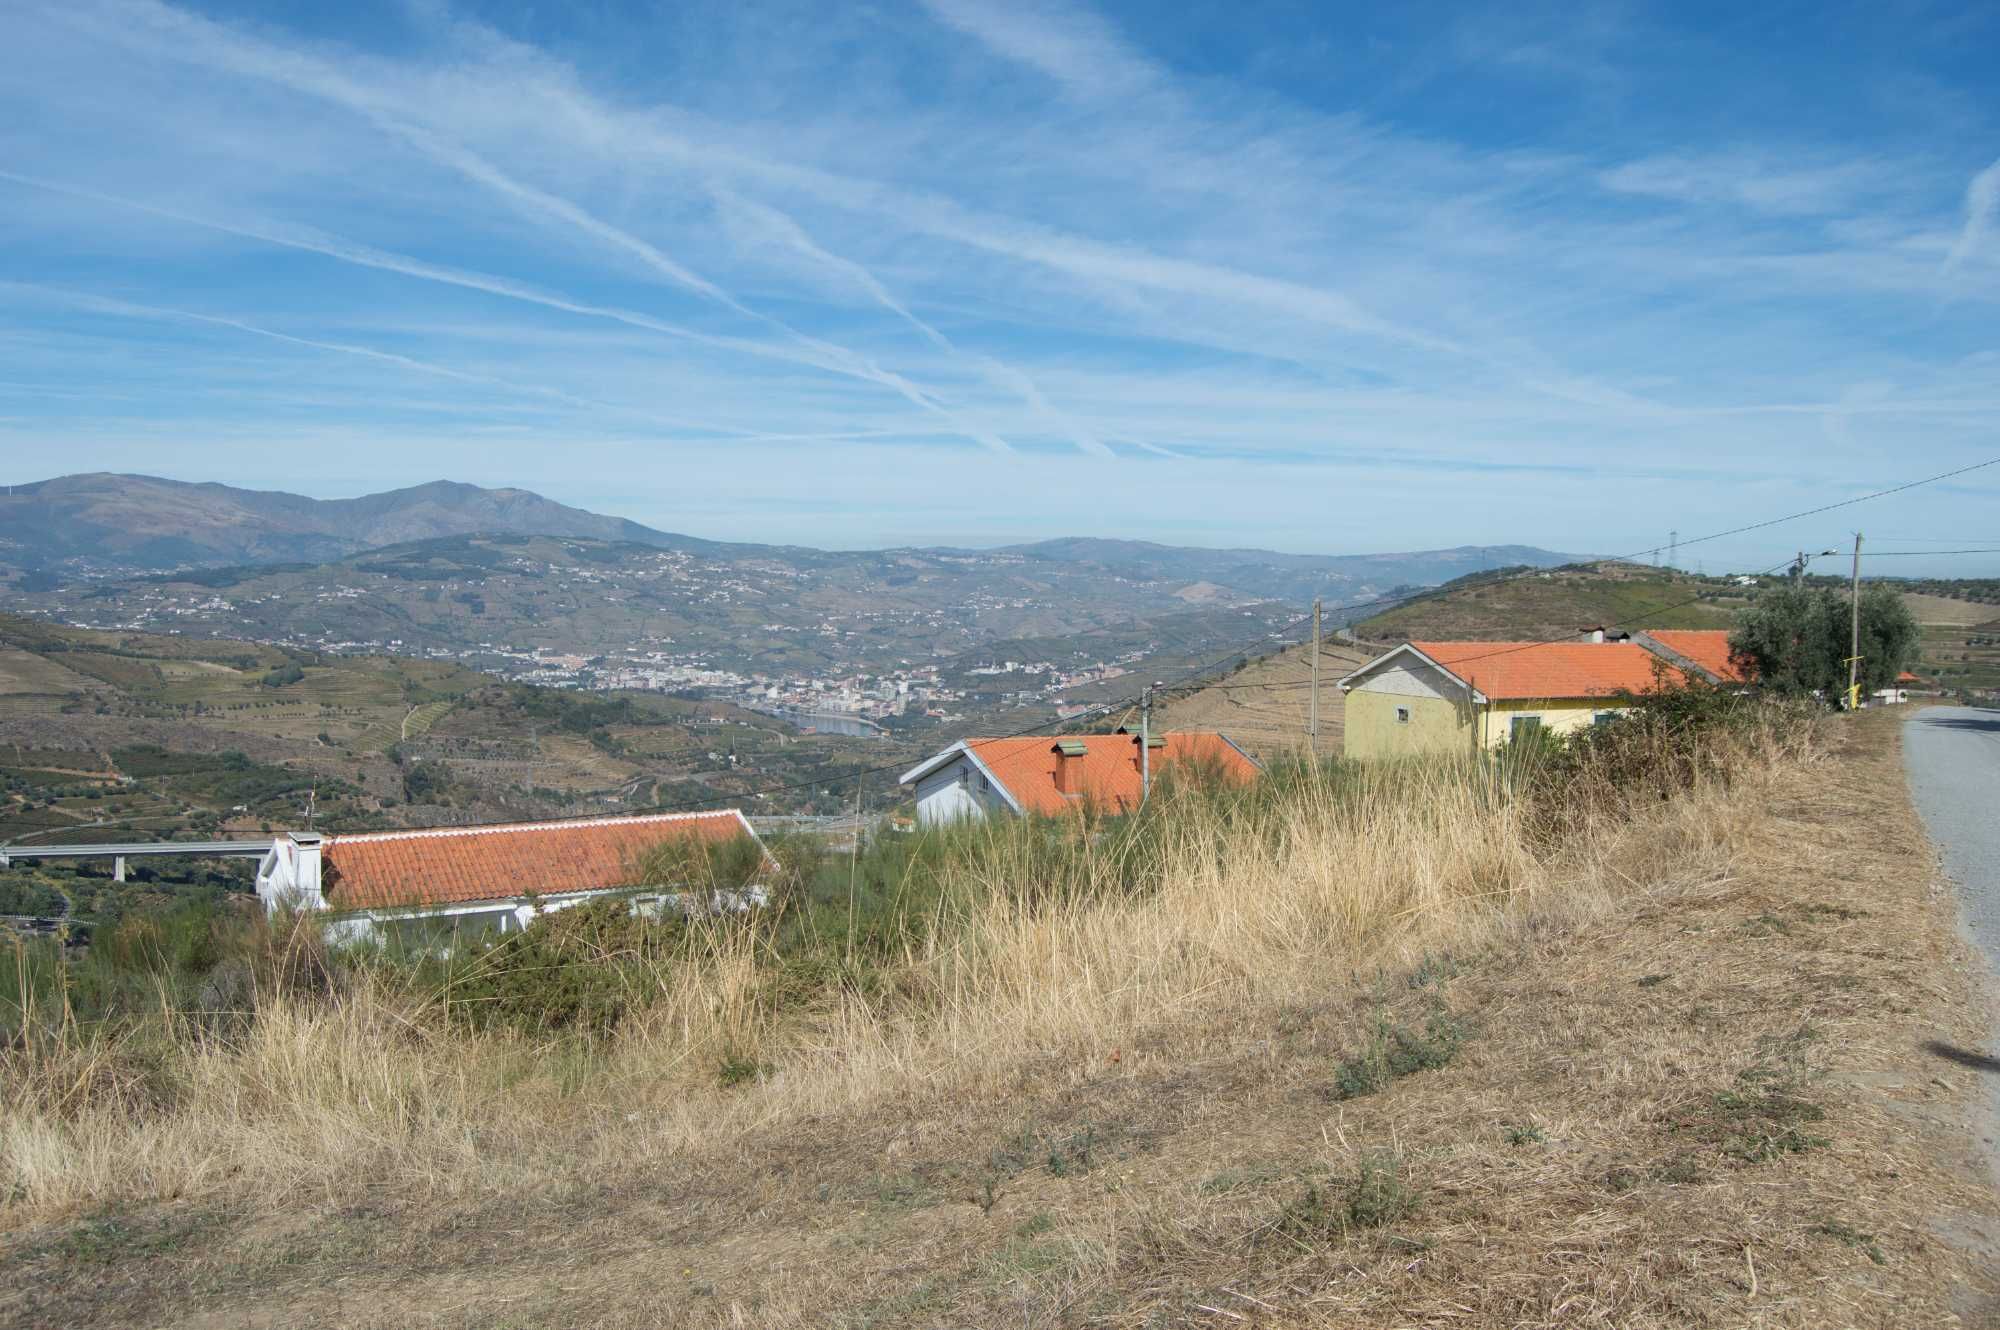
{"points": [[1294, 577], [147, 522], [144, 523], [460, 570], [1557, 602]]}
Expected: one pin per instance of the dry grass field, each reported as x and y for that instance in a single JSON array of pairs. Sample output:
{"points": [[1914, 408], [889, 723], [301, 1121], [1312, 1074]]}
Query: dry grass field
{"points": [[1397, 1068], [24, 672], [1946, 611]]}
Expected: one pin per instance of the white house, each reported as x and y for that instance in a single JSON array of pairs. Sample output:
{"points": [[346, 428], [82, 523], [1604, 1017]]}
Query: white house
{"points": [[1050, 775], [488, 878]]}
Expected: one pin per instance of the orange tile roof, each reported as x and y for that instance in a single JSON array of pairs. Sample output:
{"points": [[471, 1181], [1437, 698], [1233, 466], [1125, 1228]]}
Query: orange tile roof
{"points": [[1706, 647], [1507, 671], [1106, 774], [448, 865]]}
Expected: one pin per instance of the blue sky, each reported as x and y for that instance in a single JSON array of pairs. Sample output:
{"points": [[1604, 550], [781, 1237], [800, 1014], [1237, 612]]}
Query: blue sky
{"points": [[1314, 277]]}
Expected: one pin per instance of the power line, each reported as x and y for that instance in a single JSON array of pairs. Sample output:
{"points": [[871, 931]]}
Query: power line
{"points": [[1925, 554]]}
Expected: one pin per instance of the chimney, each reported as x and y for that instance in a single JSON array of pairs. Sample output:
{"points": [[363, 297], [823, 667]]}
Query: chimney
{"points": [[1067, 752]]}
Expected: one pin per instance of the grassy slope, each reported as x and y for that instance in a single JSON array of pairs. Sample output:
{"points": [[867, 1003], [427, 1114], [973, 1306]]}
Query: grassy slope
{"points": [[1614, 1143], [1559, 603]]}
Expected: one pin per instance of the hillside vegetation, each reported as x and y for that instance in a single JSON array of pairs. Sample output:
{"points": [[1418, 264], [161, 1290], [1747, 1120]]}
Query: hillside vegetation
{"points": [[134, 736], [1558, 602]]}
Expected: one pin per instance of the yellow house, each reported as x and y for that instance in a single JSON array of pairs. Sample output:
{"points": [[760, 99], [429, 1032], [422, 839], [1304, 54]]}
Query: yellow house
{"points": [[1462, 696]]}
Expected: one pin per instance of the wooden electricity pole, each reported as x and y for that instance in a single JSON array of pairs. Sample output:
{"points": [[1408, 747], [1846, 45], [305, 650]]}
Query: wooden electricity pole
{"points": [[1312, 718], [1146, 744], [1854, 634]]}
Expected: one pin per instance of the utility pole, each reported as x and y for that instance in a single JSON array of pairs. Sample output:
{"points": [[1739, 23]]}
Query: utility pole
{"points": [[1312, 719], [1146, 743], [1854, 639], [1673, 547]]}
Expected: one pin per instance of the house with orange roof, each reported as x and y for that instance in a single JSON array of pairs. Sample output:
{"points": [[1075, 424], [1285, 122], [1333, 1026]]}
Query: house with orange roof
{"points": [[1050, 775], [451, 882], [1473, 696]]}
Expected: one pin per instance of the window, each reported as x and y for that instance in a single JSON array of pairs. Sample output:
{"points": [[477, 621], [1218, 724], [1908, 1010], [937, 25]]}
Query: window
{"points": [[1524, 727], [1603, 717], [1402, 715]]}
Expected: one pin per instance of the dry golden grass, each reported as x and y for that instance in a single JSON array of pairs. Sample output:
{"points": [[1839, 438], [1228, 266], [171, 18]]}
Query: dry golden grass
{"points": [[1118, 1111], [1949, 611]]}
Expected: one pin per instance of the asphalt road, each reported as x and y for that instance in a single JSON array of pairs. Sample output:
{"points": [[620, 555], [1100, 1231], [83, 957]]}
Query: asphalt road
{"points": [[1953, 757]]}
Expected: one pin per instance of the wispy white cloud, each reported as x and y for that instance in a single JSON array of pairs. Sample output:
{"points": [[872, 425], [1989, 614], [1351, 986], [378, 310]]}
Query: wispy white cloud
{"points": [[1982, 201], [1077, 48], [1749, 181]]}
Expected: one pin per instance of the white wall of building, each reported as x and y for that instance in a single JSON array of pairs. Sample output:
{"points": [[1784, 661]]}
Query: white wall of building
{"points": [[1409, 677], [954, 792]]}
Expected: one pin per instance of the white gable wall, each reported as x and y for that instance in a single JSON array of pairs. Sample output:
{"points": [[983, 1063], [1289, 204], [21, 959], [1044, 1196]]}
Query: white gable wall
{"points": [[955, 791], [1410, 677]]}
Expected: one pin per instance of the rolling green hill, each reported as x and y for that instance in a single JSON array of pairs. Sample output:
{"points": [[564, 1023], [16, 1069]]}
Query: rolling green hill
{"points": [[1558, 602]]}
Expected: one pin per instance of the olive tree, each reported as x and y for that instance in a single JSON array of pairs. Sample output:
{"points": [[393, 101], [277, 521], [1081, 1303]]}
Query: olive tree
{"points": [[1797, 637]]}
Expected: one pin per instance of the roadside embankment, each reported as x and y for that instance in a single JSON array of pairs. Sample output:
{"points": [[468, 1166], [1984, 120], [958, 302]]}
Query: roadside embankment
{"points": [[1676, 1075]]}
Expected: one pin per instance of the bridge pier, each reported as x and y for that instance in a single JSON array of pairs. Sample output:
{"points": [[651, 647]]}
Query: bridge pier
{"points": [[118, 869]]}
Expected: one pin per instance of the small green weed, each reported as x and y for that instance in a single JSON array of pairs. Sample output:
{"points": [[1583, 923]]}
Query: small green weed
{"points": [[105, 1238], [738, 1070], [1375, 1196], [1762, 1126], [1524, 1134], [1396, 1050], [1818, 910], [1250, 1175], [1864, 1242], [1433, 971], [1072, 1155], [1680, 1170], [1766, 925], [1035, 1225], [1023, 1257]]}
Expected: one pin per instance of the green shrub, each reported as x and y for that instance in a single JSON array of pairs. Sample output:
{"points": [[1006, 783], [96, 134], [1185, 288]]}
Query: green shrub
{"points": [[1395, 1050], [1377, 1195], [578, 969]]}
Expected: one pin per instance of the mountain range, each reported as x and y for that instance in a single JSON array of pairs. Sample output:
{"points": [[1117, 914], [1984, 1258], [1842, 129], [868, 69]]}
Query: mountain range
{"points": [[150, 524], [145, 522], [458, 570]]}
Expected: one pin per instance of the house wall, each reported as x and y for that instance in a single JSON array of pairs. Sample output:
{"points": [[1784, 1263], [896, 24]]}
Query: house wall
{"points": [[1558, 716], [1373, 729], [1438, 723], [955, 791]]}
